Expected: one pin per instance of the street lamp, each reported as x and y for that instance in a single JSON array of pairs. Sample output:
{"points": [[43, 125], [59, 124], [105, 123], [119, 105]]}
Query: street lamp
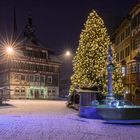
{"points": [[68, 53], [9, 51], [66, 70]]}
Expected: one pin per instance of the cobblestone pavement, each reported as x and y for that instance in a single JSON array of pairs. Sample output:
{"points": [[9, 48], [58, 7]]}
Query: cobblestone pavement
{"points": [[51, 120]]}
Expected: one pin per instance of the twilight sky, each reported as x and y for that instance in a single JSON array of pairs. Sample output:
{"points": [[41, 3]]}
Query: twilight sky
{"points": [[59, 22]]}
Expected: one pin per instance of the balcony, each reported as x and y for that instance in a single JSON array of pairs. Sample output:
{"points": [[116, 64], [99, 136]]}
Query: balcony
{"points": [[133, 78]]}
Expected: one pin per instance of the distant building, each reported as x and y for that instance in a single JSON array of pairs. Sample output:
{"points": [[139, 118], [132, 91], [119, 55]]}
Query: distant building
{"points": [[33, 72], [126, 41]]}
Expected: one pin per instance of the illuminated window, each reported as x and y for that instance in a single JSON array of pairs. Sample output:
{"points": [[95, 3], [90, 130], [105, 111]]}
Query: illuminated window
{"points": [[123, 70], [133, 68]]}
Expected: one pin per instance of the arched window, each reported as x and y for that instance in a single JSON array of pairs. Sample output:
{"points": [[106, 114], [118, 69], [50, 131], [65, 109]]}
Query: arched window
{"points": [[23, 91], [17, 91]]}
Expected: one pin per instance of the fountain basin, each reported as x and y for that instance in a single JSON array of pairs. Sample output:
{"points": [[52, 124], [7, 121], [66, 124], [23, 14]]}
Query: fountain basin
{"points": [[89, 112], [111, 113], [119, 113]]}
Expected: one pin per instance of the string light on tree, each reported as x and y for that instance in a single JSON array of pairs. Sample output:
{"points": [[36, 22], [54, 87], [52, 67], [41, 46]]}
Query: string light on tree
{"points": [[89, 64]]}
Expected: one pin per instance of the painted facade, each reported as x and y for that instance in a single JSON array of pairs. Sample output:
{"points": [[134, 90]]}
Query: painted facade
{"points": [[126, 41], [33, 71]]}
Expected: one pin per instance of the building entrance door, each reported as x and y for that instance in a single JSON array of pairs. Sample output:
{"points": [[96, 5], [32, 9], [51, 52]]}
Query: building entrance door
{"points": [[36, 94], [137, 97]]}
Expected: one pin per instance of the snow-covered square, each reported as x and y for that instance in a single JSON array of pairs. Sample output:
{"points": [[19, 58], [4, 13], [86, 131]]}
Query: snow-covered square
{"points": [[52, 120]]}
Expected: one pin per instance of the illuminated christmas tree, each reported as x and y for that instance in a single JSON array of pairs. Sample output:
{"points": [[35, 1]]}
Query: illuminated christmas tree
{"points": [[90, 62]]}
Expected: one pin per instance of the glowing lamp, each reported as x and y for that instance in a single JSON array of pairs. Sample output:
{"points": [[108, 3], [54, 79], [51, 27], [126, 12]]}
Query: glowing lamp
{"points": [[9, 50], [67, 53]]}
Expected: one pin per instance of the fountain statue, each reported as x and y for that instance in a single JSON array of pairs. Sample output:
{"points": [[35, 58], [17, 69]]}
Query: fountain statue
{"points": [[110, 68]]}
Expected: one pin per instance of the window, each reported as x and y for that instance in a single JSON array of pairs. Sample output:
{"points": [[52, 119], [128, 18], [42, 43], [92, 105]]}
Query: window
{"points": [[123, 70], [31, 78], [50, 69], [53, 91], [134, 22], [117, 40], [138, 18], [122, 36], [127, 31], [23, 91], [17, 91], [134, 68], [42, 79], [23, 77], [31, 92], [42, 93], [27, 78], [138, 69], [49, 92], [36, 78], [16, 77], [127, 51], [136, 43], [56, 69], [41, 67], [122, 54], [28, 66], [49, 79], [43, 55]]}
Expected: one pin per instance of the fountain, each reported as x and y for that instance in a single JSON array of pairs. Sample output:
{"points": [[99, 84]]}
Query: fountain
{"points": [[113, 110]]}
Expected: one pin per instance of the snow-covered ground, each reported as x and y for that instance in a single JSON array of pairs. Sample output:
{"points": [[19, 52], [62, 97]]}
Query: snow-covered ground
{"points": [[51, 120]]}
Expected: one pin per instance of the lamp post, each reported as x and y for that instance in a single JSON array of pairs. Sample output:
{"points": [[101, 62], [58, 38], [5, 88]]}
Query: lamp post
{"points": [[65, 58], [9, 53]]}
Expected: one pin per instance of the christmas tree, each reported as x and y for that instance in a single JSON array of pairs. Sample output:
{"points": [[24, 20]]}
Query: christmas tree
{"points": [[90, 61]]}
